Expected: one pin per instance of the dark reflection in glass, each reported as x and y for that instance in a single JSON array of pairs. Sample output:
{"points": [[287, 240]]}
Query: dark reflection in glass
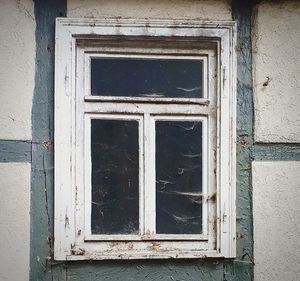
{"points": [[115, 177], [178, 177], [127, 77]]}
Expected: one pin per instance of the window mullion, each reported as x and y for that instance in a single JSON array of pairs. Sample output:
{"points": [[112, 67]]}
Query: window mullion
{"points": [[149, 176]]}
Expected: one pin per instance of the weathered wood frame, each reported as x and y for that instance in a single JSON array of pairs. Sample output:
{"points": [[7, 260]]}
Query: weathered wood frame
{"points": [[68, 34]]}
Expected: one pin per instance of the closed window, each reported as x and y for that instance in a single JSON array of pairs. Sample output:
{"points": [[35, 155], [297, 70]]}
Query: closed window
{"points": [[144, 140]]}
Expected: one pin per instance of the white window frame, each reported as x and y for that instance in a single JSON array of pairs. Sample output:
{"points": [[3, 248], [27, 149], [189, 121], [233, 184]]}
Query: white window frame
{"points": [[74, 107]]}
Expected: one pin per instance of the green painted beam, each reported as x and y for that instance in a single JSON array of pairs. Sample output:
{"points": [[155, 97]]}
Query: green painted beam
{"points": [[42, 172], [15, 151], [146, 270], [276, 152], [20, 151], [242, 268]]}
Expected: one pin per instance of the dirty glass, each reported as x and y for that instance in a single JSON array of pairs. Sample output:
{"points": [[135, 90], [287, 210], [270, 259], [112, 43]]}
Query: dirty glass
{"points": [[133, 77], [178, 177], [115, 176]]}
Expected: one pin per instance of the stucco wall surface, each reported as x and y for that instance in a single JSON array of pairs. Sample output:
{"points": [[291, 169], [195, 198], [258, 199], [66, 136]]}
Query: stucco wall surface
{"points": [[17, 60], [276, 71], [170, 9], [276, 209], [14, 221]]}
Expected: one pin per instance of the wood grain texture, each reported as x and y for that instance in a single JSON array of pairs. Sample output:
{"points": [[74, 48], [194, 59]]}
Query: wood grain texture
{"points": [[42, 156], [15, 151], [276, 151]]}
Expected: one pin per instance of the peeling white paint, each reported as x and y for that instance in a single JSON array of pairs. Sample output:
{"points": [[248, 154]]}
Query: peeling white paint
{"points": [[276, 72], [17, 60], [80, 247], [14, 221], [165, 9], [276, 209]]}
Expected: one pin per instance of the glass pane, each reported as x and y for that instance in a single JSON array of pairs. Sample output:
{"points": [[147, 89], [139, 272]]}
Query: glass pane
{"points": [[127, 77], [115, 176], [178, 177]]}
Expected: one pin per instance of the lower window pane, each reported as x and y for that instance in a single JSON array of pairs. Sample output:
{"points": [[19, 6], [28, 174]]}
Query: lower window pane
{"points": [[178, 177], [115, 176]]}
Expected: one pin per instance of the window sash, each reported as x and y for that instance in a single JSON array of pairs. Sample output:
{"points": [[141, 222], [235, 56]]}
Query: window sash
{"points": [[151, 109], [88, 56], [147, 178], [88, 166]]}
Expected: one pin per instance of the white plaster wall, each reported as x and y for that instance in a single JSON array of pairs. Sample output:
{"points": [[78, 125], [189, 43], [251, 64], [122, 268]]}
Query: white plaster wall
{"points": [[17, 60], [276, 211], [206, 9], [14, 221], [276, 43]]}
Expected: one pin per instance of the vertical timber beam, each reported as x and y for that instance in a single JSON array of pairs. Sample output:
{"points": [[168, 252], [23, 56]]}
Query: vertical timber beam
{"points": [[242, 267], [41, 228]]}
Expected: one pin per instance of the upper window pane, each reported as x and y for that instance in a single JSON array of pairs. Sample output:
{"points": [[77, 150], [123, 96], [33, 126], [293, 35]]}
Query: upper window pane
{"points": [[141, 77]]}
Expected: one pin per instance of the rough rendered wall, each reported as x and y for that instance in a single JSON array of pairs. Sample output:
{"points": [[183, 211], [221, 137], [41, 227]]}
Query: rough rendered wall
{"points": [[172, 9], [276, 185], [17, 60], [276, 69], [17, 72], [276, 209], [14, 221]]}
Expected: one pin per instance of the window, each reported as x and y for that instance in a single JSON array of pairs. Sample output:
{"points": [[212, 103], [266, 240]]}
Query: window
{"points": [[144, 139]]}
